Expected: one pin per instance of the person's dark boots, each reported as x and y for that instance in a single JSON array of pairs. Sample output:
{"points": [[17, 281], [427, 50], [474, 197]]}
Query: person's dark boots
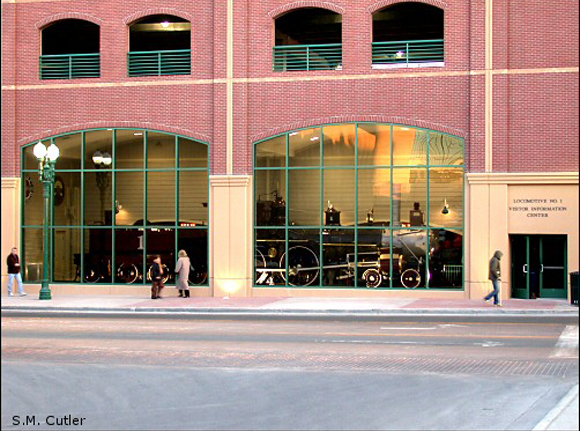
{"points": [[181, 295], [186, 293]]}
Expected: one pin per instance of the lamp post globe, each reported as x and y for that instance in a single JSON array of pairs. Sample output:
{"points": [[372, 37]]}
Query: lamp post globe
{"points": [[97, 157], [39, 151], [107, 159], [52, 153]]}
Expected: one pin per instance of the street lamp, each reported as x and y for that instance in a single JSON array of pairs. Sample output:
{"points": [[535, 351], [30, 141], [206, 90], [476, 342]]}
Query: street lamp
{"points": [[102, 161], [47, 158]]}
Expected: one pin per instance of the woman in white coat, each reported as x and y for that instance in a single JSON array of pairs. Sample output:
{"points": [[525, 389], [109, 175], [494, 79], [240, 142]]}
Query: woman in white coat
{"points": [[182, 274]]}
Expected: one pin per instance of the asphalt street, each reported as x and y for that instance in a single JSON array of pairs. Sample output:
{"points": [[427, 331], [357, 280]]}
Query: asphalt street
{"points": [[157, 373]]}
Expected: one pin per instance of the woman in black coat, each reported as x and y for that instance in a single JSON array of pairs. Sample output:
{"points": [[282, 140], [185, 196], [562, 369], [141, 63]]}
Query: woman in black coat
{"points": [[156, 278]]}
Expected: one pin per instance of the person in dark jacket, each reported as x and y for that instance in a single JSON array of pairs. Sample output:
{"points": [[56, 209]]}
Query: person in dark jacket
{"points": [[495, 277], [13, 262], [156, 278]]}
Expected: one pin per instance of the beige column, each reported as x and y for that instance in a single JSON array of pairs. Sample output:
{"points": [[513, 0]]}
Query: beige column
{"points": [[10, 221], [486, 231], [231, 235]]}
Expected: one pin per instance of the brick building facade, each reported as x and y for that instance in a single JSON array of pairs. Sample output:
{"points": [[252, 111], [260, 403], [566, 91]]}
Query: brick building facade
{"points": [[507, 87]]}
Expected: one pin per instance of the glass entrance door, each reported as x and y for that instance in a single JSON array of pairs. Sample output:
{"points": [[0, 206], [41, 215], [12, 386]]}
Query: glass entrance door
{"points": [[520, 273], [553, 282], [538, 266]]}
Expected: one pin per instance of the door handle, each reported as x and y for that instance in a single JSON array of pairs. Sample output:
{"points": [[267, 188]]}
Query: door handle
{"points": [[525, 268], [541, 267]]}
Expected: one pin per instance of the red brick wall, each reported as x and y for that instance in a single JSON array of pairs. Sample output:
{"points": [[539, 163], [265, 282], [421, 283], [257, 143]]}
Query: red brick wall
{"points": [[543, 33], [543, 123], [525, 37], [535, 116]]}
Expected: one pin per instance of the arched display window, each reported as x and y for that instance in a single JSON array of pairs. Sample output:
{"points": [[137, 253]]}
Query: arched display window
{"points": [[359, 205], [121, 197]]}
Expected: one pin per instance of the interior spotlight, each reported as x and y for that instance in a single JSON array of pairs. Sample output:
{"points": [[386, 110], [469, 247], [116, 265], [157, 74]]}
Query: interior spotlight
{"points": [[445, 209]]}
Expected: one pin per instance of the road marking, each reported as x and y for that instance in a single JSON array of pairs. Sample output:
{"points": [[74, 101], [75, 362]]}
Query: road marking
{"points": [[444, 325], [567, 345], [368, 342], [484, 336], [485, 344], [489, 344]]}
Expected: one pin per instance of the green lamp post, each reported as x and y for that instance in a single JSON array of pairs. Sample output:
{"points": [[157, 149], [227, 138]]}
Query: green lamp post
{"points": [[47, 158], [102, 161]]}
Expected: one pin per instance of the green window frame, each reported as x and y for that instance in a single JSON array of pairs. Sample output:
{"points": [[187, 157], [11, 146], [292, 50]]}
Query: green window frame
{"points": [[173, 233], [276, 234]]}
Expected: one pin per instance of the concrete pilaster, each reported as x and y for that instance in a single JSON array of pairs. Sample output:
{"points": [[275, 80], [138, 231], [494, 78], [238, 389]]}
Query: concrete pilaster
{"points": [[231, 235]]}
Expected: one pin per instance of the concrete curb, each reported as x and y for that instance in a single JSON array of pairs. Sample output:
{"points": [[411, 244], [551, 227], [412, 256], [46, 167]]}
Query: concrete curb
{"points": [[289, 312], [559, 410]]}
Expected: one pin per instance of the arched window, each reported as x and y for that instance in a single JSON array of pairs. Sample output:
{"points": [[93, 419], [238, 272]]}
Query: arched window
{"points": [[159, 45], [70, 49], [121, 196], [408, 35], [308, 39], [359, 205]]}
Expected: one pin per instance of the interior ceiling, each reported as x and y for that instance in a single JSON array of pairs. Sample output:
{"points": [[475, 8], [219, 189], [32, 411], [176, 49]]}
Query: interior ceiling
{"points": [[170, 26], [309, 26]]}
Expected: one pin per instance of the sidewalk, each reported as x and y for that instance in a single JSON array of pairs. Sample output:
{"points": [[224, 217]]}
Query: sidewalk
{"points": [[564, 416], [281, 306]]}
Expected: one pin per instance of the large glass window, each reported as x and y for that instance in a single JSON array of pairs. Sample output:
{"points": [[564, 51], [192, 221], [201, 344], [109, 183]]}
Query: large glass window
{"points": [[359, 206], [121, 197]]}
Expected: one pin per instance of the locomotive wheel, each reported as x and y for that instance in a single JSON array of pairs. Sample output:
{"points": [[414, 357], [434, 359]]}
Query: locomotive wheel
{"points": [[300, 257], [128, 273], [92, 276], [259, 259], [196, 278], [259, 262], [373, 278], [410, 278]]}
